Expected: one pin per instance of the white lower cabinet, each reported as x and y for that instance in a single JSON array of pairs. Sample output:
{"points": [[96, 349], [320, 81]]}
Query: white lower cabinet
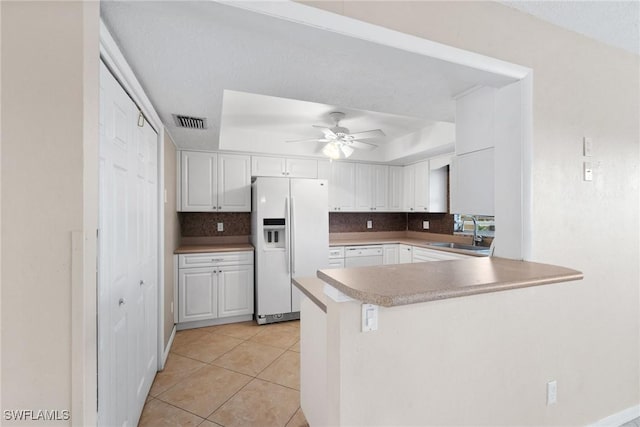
{"points": [[390, 254], [197, 294], [424, 255], [405, 254], [336, 257], [221, 286], [235, 290]]}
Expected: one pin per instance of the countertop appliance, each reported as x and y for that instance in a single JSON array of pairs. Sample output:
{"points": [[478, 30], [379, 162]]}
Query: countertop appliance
{"points": [[362, 256], [290, 233]]}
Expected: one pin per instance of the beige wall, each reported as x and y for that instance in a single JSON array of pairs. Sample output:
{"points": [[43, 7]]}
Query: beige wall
{"points": [[171, 232], [585, 335], [49, 207]]}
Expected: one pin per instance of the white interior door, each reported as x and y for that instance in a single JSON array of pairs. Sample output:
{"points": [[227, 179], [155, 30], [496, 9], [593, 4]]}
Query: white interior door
{"points": [[128, 264]]}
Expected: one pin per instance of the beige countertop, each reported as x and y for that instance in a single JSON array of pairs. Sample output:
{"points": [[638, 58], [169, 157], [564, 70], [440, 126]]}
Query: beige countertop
{"points": [[219, 247], [313, 288], [401, 284], [424, 243]]}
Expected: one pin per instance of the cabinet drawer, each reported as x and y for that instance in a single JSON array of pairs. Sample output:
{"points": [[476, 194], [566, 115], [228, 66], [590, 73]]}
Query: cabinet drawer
{"points": [[336, 252], [212, 259], [421, 255], [336, 263]]}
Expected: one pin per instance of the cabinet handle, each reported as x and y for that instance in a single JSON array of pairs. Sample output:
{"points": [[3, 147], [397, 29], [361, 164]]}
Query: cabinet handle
{"points": [[141, 282], [217, 259], [214, 208], [219, 207], [121, 301]]}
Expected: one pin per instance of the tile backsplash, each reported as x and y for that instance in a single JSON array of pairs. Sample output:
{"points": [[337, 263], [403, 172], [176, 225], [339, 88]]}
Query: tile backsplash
{"points": [[440, 223], [205, 224], [345, 222]]}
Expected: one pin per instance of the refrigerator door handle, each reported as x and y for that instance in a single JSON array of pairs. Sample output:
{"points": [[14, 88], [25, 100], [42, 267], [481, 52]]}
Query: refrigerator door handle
{"points": [[286, 244], [293, 239]]}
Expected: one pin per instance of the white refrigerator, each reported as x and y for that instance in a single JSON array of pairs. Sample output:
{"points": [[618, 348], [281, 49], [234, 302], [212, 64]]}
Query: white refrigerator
{"points": [[290, 233]]}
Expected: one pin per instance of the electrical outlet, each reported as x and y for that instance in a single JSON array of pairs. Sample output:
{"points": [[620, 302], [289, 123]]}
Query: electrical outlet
{"points": [[221, 226], [425, 225], [171, 306], [369, 224], [552, 392]]}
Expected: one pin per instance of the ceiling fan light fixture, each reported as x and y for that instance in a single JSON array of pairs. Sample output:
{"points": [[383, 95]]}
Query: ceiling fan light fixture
{"points": [[331, 150], [346, 150]]}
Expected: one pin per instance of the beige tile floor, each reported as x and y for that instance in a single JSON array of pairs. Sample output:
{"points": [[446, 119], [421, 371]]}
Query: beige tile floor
{"points": [[239, 374]]}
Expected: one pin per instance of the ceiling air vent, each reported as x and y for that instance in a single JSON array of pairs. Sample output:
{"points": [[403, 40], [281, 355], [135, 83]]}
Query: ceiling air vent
{"points": [[190, 122]]}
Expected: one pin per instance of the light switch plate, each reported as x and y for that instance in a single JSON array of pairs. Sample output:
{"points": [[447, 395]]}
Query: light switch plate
{"points": [[588, 171], [369, 317], [221, 226], [552, 392], [369, 224], [425, 225]]}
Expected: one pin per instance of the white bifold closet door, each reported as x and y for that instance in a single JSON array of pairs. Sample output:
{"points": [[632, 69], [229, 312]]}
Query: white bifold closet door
{"points": [[128, 257]]}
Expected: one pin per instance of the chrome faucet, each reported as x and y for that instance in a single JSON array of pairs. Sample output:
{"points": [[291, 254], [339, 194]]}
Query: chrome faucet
{"points": [[476, 238]]}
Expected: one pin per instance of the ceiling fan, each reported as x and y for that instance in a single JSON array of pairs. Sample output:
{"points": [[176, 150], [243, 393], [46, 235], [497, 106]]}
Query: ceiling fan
{"points": [[340, 142]]}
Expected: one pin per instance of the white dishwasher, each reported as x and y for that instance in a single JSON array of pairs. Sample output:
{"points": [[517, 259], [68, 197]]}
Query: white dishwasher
{"points": [[362, 256]]}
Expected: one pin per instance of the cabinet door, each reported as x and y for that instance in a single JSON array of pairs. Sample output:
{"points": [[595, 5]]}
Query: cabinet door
{"points": [[234, 183], [409, 188], [438, 180], [474, 121], [380, 187], [421, 187], [197, 294], [364, 184], [324, 170], [390, 254], [268, 166], [301, 168], [342, 186], [199, 181], [405, 254], [395, 188], [235, 290], [336, 263], [473, 189]]}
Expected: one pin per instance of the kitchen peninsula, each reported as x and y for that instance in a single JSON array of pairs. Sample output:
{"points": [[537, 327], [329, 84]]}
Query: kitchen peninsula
{"points": [[440, 327]]}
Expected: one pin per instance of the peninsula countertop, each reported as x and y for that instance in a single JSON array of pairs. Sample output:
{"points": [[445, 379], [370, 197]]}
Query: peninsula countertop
{"points": [[402, 284]]}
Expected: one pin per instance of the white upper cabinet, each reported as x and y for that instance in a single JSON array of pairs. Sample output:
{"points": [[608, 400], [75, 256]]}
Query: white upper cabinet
{"points": [[416, 186], [324, 169], [280, 166], [421, 188], [371, 187], [474, 121], [395, 188], [212, 182], [199, 188], [342, 187], [234, 183], [472, 183], [301, 168], [438, 183]]}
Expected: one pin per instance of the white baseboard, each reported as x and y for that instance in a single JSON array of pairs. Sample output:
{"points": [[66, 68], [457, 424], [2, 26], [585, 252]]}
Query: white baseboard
{"points": [[619, 418], [165, 354]]}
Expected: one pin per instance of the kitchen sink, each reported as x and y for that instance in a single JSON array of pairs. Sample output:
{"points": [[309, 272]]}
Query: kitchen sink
{"points": [[480, 249]]}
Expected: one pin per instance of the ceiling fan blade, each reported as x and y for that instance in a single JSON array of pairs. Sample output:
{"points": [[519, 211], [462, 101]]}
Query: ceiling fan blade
{"points": [[308, 140], [361, 145], [328, 133], [367, 134]]}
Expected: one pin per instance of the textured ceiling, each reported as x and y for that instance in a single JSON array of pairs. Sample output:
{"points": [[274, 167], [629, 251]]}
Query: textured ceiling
{"points": [[616, 23], [186, 54]]}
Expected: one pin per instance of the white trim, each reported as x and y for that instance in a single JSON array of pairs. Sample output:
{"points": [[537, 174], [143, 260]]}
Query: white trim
{"points": [[113, 58], [619, 418], [118, 65], [213, 322], [314, 17], [165, 353]]}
